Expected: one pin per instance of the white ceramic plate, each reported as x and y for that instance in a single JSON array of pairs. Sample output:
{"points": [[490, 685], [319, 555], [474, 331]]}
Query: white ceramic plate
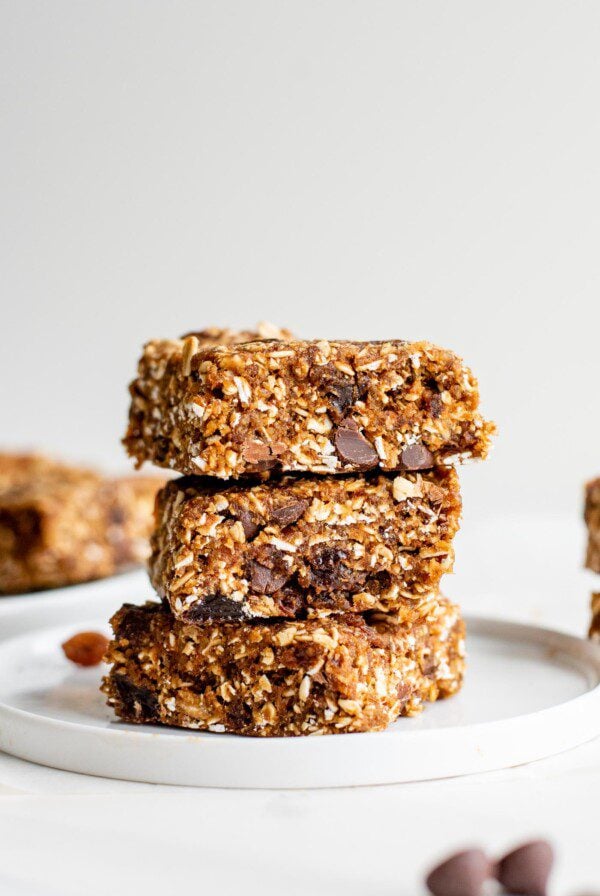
{"points": [[22, 613], [529, 693]]}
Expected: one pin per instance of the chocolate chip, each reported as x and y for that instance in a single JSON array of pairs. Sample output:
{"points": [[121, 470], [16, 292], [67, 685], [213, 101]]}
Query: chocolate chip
{"points": [[416, 457], [434, 493], [428, 665], [250, 527], [260, 577], [239, 714], [403, 692], [161, 448], [463, 874], [353, 447], [255, 452], [436, 406], [215, 606], [288, 513], [526, 870], [261, 455], [132, 620], [26, 525], [264, 580], [138, 702]]}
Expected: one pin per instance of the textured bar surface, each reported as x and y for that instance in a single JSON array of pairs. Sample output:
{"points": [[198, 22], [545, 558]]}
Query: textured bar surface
{"points": [[317, 407], [302, 546], [60, 525], [212, 336], [335, 675], [592, 519]]}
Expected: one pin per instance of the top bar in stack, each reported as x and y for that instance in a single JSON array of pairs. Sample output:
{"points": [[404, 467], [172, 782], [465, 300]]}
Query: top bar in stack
{"points": [[297, 406]]}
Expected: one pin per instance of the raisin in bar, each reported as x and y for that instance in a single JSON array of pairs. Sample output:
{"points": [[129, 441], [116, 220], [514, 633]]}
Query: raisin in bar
{"points": [[60, 525], [592, 519], [301, 546], [317, 407], [335, 675]]}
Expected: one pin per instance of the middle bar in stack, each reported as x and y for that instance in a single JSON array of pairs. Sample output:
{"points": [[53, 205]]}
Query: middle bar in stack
{"points": [[310, 546], [302, 597]]}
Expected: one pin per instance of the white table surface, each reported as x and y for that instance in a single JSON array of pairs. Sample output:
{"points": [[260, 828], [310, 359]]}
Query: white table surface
{"points": [[62, 833]]}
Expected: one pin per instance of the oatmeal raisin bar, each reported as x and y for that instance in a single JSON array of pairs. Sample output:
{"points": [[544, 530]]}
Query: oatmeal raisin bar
{"points": [[21, 468], [335, 675], [592, 518], [60, 524], [317, 407], [301, 546]]}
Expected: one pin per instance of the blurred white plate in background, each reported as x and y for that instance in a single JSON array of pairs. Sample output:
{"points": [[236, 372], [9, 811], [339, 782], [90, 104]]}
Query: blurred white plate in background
{"points": [[28, 612]]}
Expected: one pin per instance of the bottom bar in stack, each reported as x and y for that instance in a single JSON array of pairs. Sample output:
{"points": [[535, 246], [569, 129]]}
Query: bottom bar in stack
{"points": [[345, 673]]}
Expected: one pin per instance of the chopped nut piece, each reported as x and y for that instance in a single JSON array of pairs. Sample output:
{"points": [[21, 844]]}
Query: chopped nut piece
{"points": [[405, 488], [190, 347]]}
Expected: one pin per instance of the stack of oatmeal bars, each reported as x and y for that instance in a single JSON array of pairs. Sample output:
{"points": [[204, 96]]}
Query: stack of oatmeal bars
{"points": [[592, 559], [298, 558]]}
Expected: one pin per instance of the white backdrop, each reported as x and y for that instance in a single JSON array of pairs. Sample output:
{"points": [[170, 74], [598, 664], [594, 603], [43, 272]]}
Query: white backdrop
{"points": [[355, 169]]}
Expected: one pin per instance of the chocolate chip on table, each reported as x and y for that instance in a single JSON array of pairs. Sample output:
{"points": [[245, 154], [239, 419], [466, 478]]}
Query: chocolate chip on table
{"points": [[85, 648], [463, 874], [526, 869], [353, 448], [416, 457], [288, 513]]}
